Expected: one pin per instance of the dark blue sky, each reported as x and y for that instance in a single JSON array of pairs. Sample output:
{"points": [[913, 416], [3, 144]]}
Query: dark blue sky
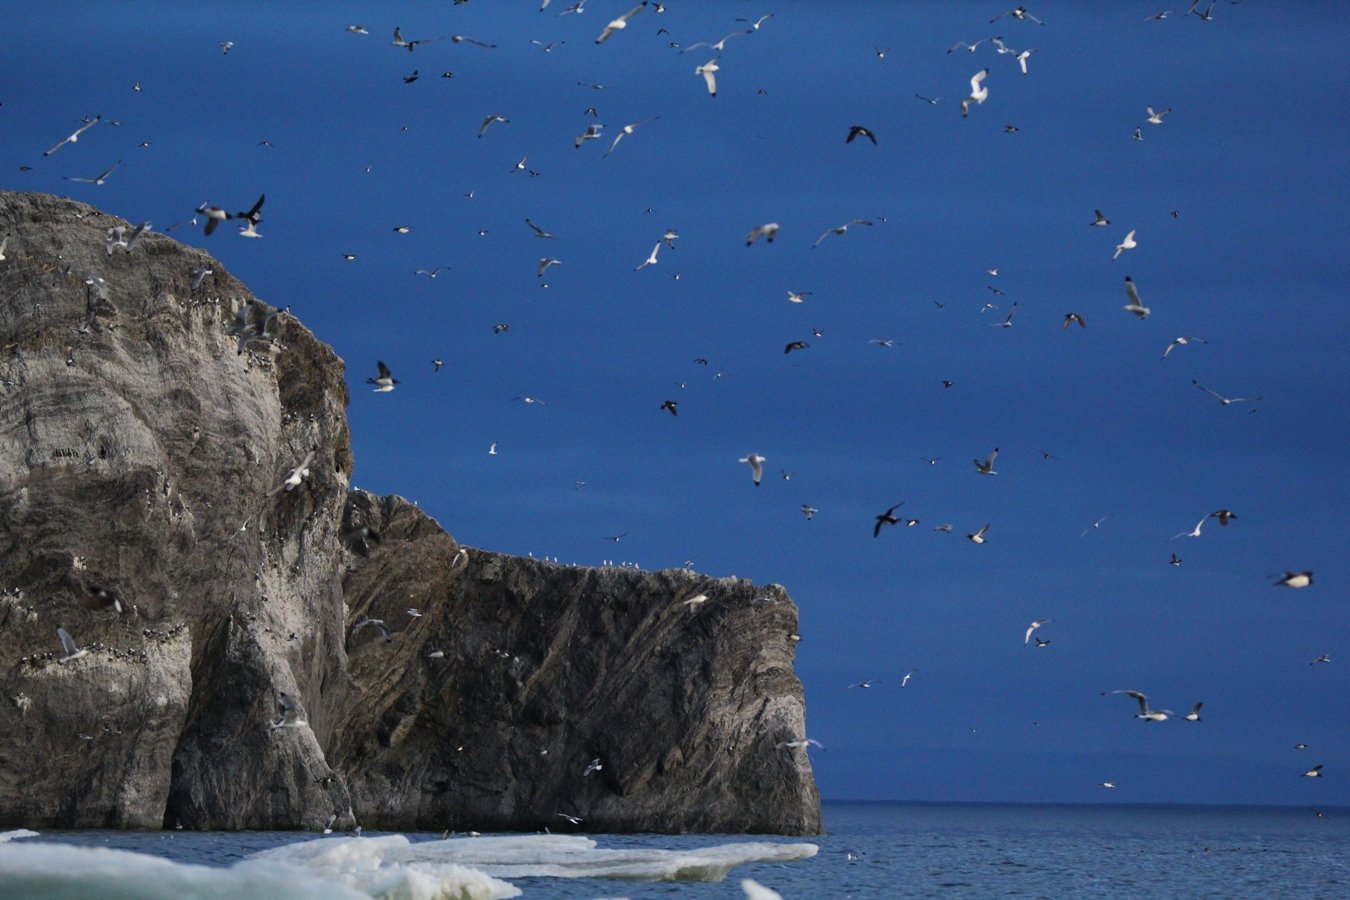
{"points": [[1251, 159]]}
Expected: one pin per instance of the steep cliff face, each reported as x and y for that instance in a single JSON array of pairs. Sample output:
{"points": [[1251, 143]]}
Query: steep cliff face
{"points": [[150, 414]]}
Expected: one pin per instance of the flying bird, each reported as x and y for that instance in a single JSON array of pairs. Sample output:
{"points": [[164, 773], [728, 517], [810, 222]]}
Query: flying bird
{"points": [[709, 72], [859, 130], [1148, 715], [978, 92], [1032, 628], [650, 260], [489, 121], [1071, 318], [986, 467], [297, 475], [1128, 244], [808, 511], [1221, 398], [887, 518], [978, 537], [1290, 580], [769, 231], [1315, 771], [1155, 118], [1181, 342], [795, 345], [1020, 13], [1007, 321], [288, 712], [1194, 714], [620, 23], [1223, 515], [384, 382], [377, 624], [839, 229], [1135, 306], [626, 130], [102, 598], [68, 647], [962, 45], [97, 179], [756, 463], [75, 136], [1100, 220], [545, 263]]}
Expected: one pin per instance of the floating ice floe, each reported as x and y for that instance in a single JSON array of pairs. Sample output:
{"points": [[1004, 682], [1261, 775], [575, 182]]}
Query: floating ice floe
{"points": [[355, 861], [36, 870], [16, 834]]}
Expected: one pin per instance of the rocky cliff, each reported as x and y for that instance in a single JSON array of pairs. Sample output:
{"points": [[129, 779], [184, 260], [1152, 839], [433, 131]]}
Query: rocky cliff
{"points": [[174, 456]]}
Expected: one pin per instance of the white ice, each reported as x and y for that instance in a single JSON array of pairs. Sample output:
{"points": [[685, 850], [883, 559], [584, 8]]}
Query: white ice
{"points": [[532, 856]]}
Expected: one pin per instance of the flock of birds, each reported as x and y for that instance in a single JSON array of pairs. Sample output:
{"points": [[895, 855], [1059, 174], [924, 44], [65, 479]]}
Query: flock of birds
{"points": [[253, 326]]}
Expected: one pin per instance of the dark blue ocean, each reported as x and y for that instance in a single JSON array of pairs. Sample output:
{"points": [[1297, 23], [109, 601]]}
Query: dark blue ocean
{"points": [[870, 850]]}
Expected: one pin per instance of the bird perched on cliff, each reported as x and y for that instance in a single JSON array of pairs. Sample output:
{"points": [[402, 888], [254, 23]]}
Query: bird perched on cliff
{"points": [[756, 463], [68, 647], [384, 382], [288, 712]]}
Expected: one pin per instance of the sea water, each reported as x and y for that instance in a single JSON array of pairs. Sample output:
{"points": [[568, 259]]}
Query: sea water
{"points": [[869, 850]]}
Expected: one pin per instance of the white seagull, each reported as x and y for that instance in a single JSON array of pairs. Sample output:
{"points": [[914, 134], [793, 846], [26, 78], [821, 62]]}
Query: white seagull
{"points": [[708, 70], [1020, 13], [756, 463], [1022, 59], [695, 602], [75, 136], [1128, 244], [650, 260], [545, 263], [839, 229], [978, 92], [297, 475], [628, 129], [1134, 306], [1194, 532], [1182, 342], [799, 743], [986, 467], [68, 647], [288, 711], [1148, 715], [769, 231], [620, 23], [1034, 625], [97, 179], [1221, 398], [1155, 118]]}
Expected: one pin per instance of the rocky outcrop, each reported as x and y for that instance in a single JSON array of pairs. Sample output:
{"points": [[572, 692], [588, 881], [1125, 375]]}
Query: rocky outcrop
{"points": [[150, 415]]}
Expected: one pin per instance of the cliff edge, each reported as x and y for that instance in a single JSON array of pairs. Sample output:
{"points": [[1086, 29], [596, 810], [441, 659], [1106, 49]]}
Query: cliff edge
{"points": [[174, 459]]}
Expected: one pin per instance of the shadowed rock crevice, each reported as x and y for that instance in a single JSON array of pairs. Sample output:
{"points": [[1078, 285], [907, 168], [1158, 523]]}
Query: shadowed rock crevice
{"points": [[144, 444]]}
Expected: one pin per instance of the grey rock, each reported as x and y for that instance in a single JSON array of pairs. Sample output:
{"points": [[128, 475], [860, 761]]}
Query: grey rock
{"points": [[146, 427]]}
